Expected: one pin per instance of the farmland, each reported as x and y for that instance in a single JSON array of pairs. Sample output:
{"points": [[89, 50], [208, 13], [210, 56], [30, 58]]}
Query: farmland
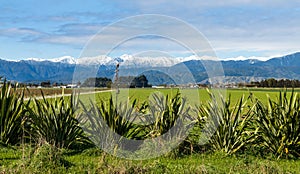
{"points": [[197, 95], [46, 136], [37, 92], [142, 94]]}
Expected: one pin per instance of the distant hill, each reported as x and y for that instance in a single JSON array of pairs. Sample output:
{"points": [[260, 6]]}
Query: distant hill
{"points": [[61, 70]]}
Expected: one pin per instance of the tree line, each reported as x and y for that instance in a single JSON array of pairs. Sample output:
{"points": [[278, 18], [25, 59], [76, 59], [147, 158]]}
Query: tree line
{"points": [[101, 82], [123, 82], [273, 83]]}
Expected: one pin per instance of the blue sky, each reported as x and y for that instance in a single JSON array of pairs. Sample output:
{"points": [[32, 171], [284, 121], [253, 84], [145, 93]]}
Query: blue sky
{"points": [[49, 29]]}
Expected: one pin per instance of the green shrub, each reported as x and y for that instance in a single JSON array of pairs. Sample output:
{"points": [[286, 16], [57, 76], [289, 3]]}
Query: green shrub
{"points": [[227, 127], [55, 121], [101, 121], [169, 121], [278, 125], [165, 113], [12, 114]]}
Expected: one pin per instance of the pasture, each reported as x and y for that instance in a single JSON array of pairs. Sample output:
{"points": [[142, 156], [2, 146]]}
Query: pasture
{"points": [[194, 96]]}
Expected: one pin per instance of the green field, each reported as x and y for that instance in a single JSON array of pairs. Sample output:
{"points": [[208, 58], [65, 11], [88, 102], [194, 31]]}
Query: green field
{"points": [[194, 96]]}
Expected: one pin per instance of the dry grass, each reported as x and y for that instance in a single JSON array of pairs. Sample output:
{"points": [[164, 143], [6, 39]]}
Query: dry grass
{"points": [[37, 92]]}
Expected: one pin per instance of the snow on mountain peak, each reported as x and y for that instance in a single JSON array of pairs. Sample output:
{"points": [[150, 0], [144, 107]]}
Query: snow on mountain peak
{"points": [[64, 59], [35, 59], [131, 60], [97, 60], [242, 58], [124, 60], [125, 57]]}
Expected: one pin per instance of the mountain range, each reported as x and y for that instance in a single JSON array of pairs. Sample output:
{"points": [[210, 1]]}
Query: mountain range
{"points": [[156, 69]]}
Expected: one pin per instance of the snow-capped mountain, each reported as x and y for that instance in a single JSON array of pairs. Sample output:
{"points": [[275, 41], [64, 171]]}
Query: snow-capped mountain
{"points": [[62, 69], [124, 60], [64, 59], [130, 60]]}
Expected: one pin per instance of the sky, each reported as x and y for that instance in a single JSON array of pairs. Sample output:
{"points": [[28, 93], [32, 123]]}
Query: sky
{"points": [[233, 28]]}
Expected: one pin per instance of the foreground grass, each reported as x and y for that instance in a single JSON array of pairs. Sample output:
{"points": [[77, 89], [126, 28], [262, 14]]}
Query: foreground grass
{"points": [[94, 161]]}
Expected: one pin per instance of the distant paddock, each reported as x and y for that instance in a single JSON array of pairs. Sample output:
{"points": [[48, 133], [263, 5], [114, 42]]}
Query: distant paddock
{"points": [[142, 94], [30, 92]]}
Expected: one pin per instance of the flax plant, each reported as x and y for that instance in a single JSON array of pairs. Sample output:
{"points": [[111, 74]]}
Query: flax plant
{"points": [[165, 113], [227, 126], [55, 122], [106, 123], [279, 125], [12, 114]]}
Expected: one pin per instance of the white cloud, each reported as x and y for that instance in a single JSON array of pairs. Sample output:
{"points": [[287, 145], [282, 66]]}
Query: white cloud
{"points": [[19, 31], [62, 39]]}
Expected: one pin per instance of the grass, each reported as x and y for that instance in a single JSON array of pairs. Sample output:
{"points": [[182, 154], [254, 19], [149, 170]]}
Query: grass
{"points": [[197, 163], [94, 161], [194, 95], [143, 94]]}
